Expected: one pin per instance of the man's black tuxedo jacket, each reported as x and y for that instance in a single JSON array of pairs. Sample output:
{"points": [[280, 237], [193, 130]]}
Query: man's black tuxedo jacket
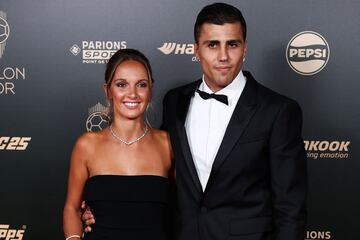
{"points": [[258, 182]]}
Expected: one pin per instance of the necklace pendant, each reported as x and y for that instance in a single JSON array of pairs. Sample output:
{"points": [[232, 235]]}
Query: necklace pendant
{"points": [[128, 143]]}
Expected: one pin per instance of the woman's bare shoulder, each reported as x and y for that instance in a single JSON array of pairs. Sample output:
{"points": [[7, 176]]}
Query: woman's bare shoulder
{"points": [[87, 141], [161, 135], [163, 139]]}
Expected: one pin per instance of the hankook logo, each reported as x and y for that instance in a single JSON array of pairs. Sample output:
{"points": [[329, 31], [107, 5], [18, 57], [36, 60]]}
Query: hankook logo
{"points": [[307, 53], [178, 49], [4, 32], [327, 149]]}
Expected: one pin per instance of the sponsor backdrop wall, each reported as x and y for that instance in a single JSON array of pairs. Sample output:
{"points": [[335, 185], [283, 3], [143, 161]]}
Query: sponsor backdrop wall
{"points": [[52, 56]]}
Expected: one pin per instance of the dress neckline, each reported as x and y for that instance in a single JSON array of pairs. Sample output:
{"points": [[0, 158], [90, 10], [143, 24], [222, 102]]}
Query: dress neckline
{"points": [[128, 176]]}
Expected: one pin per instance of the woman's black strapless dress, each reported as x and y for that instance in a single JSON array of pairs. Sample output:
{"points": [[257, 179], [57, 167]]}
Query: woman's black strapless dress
{"points": [[128, 207]]}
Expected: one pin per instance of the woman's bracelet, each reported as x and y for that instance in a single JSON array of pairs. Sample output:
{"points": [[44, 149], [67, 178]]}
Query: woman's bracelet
{"points": [[73, 236]]}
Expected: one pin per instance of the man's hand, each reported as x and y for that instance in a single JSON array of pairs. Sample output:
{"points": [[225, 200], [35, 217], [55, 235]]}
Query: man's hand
{"points": [[87, 217]]}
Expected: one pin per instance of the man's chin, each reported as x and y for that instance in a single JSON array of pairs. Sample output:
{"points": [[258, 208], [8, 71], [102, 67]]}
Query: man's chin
{"points": [[224, 81]]}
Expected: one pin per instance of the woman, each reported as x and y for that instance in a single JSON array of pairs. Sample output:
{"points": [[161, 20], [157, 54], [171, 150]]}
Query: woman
{"points": [[122, 171]]}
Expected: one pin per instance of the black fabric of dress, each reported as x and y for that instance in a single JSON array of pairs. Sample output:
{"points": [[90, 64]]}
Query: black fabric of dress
{"points": [[128, 207]]}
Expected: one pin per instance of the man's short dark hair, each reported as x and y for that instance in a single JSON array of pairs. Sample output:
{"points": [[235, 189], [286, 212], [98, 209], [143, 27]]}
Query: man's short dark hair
{"points": [[218, 13]]}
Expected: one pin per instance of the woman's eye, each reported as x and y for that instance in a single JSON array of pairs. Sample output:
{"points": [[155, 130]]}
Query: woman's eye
{"points": [[120, 84], [142, 84]]}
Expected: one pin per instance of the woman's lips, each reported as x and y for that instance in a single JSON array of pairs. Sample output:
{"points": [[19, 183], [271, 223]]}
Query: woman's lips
{"points": [[132, 105]]}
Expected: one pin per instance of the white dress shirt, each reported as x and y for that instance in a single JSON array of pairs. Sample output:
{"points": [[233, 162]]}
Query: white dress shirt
{"points": [[206, 123]]}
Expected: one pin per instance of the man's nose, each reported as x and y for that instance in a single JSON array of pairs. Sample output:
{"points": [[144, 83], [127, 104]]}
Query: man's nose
{"points": [[223, 54]]}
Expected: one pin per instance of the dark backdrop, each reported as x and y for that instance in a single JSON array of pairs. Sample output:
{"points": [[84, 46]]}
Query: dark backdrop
{"points": [[51, 80]]}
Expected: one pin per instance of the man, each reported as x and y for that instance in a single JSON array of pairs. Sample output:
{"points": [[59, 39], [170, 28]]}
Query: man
{"points": [[239, 154]]}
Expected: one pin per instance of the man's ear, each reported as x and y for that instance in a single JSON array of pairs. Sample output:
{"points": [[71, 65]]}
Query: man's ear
{"points": [[196, 50], [245, 48]]}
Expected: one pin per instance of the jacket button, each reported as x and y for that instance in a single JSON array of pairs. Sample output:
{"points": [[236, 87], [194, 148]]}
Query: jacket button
{"points": [[203, 209]]}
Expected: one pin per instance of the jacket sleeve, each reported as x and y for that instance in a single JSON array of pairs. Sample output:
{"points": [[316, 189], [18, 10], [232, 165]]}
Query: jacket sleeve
{"points": [[288, 173]]}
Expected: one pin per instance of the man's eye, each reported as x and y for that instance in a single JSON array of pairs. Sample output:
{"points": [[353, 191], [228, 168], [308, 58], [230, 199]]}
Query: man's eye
{"points": [[233, 45], [212, 45]]}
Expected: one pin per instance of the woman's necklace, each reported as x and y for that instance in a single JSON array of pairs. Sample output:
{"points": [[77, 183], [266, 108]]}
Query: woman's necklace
{"points": [[128, 142]]}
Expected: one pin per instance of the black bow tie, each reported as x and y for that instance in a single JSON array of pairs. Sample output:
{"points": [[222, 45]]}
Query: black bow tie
{"points": [[219, 97]]}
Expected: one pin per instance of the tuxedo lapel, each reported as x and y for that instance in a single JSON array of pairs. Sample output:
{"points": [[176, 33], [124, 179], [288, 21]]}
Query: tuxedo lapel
{"points": [[243, 112], [182, 108]]}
